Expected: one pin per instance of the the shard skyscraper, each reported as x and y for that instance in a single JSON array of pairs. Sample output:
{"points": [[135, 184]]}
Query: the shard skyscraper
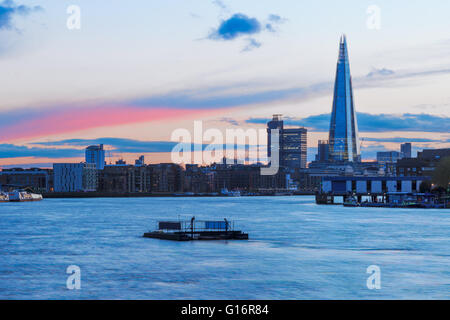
{"points": [[344, 140]]}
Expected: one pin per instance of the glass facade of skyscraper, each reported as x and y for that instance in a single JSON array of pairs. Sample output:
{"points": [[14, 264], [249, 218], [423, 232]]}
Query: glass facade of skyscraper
{"points": [[344, 140]]}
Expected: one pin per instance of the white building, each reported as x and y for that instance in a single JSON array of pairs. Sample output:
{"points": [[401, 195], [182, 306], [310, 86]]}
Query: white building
{"points": [[372, 185], [96, 154], [75, 177]]}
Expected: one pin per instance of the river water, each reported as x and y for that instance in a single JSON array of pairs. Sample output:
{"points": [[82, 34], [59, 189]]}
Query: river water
{"points": [[297, 250]]}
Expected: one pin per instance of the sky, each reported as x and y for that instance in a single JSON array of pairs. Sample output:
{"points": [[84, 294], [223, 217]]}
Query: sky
{"points": [[133, 72]]}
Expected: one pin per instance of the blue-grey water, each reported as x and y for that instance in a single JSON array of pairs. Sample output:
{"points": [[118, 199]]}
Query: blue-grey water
{"points": [[297, 250]]}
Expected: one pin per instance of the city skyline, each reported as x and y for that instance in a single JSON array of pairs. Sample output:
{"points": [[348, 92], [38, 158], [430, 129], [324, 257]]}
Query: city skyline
{"points": [[77, 87]]}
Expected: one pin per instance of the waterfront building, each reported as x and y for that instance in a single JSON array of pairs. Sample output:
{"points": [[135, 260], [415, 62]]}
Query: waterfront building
{"points": [[292, 144], [344, 140], [310, 179], [96, 154], [125, 179], [414, 167], [406, 150], [371, 185], [39, 180], [249, 178], [433, 154], [157, 178], [199, 179], [75, 177], [423, 165], [167, 177]]}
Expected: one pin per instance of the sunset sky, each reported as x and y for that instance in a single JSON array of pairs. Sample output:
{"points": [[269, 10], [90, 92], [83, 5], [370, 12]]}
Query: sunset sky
{"points": [[137, 70]]}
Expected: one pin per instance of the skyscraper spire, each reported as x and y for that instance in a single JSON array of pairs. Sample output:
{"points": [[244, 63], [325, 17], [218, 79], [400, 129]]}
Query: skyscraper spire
{"points": [[344, 140]]}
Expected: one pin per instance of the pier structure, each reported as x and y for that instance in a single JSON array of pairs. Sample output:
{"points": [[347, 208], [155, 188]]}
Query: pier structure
{"points": [[376, 188], [193, 229]]}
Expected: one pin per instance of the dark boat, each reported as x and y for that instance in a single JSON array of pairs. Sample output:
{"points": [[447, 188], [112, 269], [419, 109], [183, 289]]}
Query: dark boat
{"points": [[351, 202], [196, 230]]}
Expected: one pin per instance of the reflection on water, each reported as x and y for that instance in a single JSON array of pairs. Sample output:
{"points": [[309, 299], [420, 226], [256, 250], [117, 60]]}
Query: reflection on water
{"points": [[297, 250]]}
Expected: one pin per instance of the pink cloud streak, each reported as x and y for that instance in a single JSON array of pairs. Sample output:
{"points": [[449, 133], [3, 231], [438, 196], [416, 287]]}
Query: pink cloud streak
{"points": [[80, 119]]}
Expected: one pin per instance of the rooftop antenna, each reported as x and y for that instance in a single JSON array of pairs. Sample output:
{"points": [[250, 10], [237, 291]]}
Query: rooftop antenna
{"points": [[108, 154]]}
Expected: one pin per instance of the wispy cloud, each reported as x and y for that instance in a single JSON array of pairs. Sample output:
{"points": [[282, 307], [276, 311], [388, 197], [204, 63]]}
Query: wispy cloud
{"points": [[374, 123], [67, 149], [120, 145], [273, 21], [230, 121], [219, 97], [74, 148], [220, 4], [383, 72], [14, 151], [9, 9], [251, 44], [75, 119], [27, 122], [403, 140], [213, 98]]}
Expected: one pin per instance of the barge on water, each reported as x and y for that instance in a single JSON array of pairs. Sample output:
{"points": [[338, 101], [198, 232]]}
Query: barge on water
{"points": [[400, 200], [196, 230], [19, 196], [22, 196]]}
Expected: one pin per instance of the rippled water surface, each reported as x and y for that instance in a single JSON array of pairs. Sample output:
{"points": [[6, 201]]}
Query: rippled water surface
{"points": [[297, 250]]}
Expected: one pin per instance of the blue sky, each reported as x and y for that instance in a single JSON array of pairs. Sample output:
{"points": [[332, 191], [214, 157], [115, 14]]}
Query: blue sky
{"points": [[163, 64]]}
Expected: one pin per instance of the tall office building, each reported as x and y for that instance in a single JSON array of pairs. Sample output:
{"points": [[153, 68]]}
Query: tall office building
{"points": [[323, 151], [344, 140], [96, 154], [292, 144], [405, 150], [275, 124]]}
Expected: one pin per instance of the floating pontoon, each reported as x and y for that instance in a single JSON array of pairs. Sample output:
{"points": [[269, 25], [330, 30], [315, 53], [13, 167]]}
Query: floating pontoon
{"points": [[196, 230]]}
